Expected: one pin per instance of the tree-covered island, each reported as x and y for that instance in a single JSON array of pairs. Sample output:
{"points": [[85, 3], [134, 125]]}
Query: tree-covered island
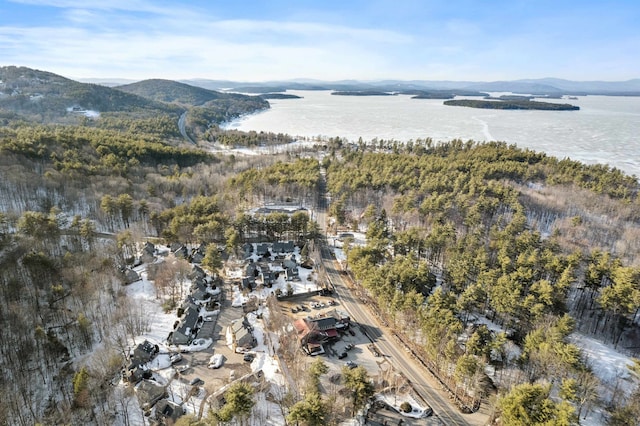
{"points": [[512, 104]]}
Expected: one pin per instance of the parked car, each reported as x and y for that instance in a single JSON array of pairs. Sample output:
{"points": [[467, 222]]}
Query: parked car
{"points": [[216, 361], [342, 355], [196, 381], [249, 356], [175, 358], [349, 347], [351, 364]]}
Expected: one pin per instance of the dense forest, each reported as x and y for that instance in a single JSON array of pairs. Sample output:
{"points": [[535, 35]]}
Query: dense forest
{"points": [[461, 233], [486, 258]]}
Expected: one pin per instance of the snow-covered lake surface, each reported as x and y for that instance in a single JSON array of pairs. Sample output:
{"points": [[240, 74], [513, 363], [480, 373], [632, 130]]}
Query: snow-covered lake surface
{"points": [[604, 130]]}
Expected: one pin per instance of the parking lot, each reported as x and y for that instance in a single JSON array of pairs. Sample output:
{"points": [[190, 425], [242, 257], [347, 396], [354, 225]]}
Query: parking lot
{"points": [[362, 351], [351, 346]]}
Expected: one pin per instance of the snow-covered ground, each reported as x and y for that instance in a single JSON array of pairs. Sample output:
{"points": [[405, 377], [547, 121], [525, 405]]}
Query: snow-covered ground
{"points": [[86, 112], [336, 243], [267, 149], [157, 324], [609, 365], [266, 412], [396, 399]]}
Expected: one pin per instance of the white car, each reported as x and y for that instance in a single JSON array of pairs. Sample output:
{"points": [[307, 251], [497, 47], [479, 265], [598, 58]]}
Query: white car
{"points": [[216, 361]]}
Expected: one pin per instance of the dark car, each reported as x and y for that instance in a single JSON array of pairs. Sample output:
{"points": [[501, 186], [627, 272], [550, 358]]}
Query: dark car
{"points": [[342, 355], [175, 358], [249, 357], [197, 381]]}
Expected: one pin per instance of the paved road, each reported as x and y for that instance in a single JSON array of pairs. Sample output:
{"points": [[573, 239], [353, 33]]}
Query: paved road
{"points": [[446, 411], [183, 129], [389, 348]]}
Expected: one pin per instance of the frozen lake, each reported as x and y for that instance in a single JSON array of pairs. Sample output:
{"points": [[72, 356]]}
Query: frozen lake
{"points": [[606, 129]]}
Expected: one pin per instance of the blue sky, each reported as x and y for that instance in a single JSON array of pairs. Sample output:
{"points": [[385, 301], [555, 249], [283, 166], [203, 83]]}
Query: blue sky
{"points": [[329, 40]]}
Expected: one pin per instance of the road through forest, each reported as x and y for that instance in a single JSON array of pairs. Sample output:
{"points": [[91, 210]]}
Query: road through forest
{"points": [[425, 385]]}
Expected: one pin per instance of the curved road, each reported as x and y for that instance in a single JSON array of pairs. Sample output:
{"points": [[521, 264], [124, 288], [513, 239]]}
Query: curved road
{"points": [[183, 128]]}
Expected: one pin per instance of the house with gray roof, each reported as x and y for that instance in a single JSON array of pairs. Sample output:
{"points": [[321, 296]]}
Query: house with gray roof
{"points": [[186, 329], [181, 252], [262, 249], [149, 392], [249, 283], [292, 274], [197, 272], [251, 270], [130, 276], [268, 278], [144, 353], [242, 336]]}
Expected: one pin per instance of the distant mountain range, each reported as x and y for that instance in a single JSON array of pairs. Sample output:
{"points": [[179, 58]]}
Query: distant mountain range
{"points": [[541, 86], [544, 86]]}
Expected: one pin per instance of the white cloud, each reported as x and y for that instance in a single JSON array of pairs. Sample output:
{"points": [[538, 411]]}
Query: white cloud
{"points": [[143, 39], [101, 39], [124, 5]]}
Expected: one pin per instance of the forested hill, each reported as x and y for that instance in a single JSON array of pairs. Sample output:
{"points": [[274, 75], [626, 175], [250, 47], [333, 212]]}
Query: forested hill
{"points": [[35, 96], [44, 97], [205, 107], [174, 92]]}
